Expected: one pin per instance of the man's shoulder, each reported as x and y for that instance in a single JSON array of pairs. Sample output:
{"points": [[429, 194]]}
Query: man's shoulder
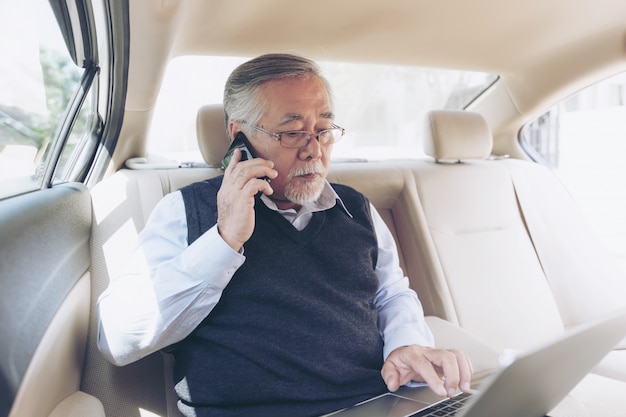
{"points": [[201, 192], [207, 185], [345, 191], [353, 200], [200, 200]]}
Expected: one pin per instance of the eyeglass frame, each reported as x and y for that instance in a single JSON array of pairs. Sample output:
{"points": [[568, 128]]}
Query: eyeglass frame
{"points": [[278, 135]]}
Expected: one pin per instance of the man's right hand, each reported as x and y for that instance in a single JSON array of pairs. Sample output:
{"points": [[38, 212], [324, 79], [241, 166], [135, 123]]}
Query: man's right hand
{"points": [[445, 371], [235, 198]]}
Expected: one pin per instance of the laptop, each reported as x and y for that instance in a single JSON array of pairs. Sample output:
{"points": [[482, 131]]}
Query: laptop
{"points": [[531, 385]]}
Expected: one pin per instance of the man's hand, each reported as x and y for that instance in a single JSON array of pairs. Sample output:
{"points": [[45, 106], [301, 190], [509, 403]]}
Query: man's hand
{"points": [[235, 199], [444, 371]]}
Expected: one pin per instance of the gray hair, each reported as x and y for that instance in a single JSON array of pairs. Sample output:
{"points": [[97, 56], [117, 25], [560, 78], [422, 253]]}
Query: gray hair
{"points": [[242, 103]]}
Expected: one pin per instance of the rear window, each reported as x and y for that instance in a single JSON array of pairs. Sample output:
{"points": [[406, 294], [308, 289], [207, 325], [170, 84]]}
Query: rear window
{"points": [[381, 107], [582, 140]]}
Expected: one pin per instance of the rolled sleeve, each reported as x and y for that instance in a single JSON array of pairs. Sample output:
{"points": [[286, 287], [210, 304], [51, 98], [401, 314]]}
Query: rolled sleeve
{"points": [[400, 313], [168, 288]]}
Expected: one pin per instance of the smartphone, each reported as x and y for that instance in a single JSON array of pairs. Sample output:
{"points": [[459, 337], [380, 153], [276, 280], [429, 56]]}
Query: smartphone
{"points": [[241, 142]]}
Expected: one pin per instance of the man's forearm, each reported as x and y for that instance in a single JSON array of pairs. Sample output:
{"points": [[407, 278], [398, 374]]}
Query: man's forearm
{"points": [[151, 307]]}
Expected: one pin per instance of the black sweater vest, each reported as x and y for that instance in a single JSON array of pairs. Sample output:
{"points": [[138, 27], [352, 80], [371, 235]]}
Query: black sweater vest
{"points": [[295, 332]]}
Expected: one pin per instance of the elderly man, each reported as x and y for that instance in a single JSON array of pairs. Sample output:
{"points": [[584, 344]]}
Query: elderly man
{"points": [[278, 293]]}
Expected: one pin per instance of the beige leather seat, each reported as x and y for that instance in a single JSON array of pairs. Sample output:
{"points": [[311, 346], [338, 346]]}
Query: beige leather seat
{"points": [[485, 274], [490, 269]]}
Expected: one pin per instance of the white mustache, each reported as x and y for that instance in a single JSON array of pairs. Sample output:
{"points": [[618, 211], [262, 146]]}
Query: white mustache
{"points": [[313, 168]]}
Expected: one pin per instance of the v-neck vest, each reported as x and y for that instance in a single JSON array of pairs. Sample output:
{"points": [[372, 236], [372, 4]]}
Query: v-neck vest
{"points": [[295, 331]]}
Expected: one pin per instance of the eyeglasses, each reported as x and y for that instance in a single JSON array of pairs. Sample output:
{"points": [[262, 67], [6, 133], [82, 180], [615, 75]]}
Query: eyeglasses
{"points": [[299, 138]]}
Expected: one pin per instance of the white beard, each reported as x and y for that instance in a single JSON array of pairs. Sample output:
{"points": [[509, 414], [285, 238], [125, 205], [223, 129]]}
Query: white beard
{"points": [[309, 191]]}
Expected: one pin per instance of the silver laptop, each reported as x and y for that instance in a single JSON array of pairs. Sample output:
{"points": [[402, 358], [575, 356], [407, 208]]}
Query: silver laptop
{"points": [[530, 386]]}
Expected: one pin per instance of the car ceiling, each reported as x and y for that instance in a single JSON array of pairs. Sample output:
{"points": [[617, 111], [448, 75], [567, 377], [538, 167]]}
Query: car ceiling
{"points": [[541, 49]]}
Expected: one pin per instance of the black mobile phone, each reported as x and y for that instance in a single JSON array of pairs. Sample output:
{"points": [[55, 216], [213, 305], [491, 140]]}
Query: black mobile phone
{"points": [[242, 143]]}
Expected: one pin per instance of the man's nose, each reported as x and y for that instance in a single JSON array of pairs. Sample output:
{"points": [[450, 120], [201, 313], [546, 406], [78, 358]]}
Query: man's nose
{"points": [[312, 150]]}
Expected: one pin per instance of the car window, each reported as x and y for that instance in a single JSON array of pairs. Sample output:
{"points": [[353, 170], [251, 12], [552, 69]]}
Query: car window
{"points": [[38, 79], [583, 139], [378, 105], [80, 142]]}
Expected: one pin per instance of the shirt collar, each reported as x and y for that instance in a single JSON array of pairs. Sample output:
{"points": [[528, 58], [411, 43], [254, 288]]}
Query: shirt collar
{"points": [[327, 200]]}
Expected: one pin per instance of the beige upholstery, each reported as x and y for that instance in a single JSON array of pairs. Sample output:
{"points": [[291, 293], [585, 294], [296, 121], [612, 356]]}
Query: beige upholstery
{"points": [[456, 135], [55, 370], [585, 279], [78, 404], [519, 261], [461, 237], [213, 140], [488, 275]]}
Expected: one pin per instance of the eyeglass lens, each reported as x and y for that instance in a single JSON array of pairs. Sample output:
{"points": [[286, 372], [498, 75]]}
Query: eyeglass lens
{"points": [[297, 139]]}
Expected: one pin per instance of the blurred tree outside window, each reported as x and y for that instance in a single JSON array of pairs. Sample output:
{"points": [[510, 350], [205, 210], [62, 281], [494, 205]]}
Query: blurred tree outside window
{"points": [[37, 82]]}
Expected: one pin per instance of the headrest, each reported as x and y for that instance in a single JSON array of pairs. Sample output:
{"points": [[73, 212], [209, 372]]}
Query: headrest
{"points": [[457, 135], [211, 134]]}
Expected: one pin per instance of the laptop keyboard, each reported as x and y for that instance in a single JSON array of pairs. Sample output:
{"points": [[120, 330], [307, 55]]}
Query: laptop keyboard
{"points": [[448, 407]]}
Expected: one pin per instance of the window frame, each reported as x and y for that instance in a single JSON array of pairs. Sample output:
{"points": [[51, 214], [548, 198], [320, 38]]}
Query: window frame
{"points": [[77, 27]]}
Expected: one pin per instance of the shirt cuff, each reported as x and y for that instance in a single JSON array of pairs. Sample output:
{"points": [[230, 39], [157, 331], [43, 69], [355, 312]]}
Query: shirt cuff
{"points": [[211, 253], [407, 336]]}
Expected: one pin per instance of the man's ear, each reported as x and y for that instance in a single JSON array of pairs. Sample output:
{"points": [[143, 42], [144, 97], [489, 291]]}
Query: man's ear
{"points": [[233, 129]]}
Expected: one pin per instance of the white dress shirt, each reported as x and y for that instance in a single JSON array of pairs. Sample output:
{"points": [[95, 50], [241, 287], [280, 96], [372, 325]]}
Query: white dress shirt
{"points": [[170, 286]]}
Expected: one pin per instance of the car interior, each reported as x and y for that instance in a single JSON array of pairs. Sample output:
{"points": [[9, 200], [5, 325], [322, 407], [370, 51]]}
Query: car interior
{"points": [[499, 252]]}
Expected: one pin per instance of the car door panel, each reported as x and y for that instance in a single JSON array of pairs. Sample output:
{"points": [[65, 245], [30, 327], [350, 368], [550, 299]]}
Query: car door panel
{"points": [[44, 252]]}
